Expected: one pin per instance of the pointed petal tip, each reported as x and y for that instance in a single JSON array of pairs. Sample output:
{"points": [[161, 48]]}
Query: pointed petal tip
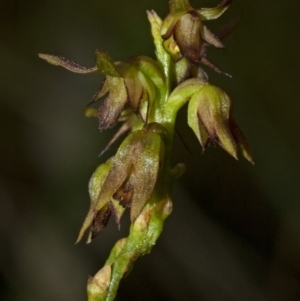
{"points": [[203, 148], [79, 238], [231, 150], [249, 159], [89, 239]]}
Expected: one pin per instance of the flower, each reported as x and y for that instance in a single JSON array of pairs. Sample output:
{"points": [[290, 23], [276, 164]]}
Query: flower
{"points": [[135, 81], [210, 117], [126, 180], [184, 32]]}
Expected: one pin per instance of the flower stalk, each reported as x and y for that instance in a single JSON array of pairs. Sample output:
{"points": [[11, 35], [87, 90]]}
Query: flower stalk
{"points": [[146, 95]]}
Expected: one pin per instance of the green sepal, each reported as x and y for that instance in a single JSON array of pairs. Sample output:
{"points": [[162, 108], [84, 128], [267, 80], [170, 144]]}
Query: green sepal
{"points": [[163, 57], [194, 124], [213, 113], [95, 185], [179, 6], [156, 22], [214, 12], [169, 24], [182, 68], [183, 93], [146, 172], [105, 63], [150, 68], [139, 157], [148, 97]]}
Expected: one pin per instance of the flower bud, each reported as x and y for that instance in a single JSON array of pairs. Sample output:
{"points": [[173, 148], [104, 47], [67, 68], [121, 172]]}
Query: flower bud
{"points": [[97, 286], [164, 207]]}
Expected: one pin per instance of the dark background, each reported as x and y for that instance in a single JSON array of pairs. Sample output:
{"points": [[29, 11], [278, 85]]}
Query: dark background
{"points": [[235, 230]]}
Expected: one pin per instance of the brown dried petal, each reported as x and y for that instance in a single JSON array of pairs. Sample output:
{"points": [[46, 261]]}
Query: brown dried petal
{"points": [[100, 221], [125, 192], [241, 140]]}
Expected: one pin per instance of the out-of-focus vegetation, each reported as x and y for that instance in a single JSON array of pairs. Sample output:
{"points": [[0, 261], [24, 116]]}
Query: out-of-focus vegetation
{"points": [[239, 224]]}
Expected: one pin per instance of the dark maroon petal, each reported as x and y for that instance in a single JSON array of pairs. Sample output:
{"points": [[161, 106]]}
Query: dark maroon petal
{"points": [[100, 221], [188, 36]]}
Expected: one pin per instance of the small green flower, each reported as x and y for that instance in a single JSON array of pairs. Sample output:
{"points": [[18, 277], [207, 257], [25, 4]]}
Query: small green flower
{"points": [[127, 180], [210, 117], [184, 32], [135, 81]]}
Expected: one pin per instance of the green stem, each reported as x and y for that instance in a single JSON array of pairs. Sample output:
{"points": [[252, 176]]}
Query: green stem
{"points": [[145, 231], [143, 235]]}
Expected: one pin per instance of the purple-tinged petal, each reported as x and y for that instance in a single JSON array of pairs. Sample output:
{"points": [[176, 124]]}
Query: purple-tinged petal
{"points": [[112, 106], [210, 38], [187, 35], [65, 63]]}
